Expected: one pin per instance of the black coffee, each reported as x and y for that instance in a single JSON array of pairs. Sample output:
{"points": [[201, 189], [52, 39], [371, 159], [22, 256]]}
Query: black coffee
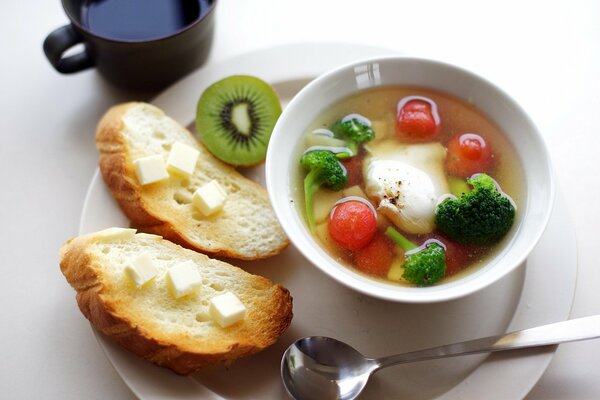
{"points": [[140, 19]]}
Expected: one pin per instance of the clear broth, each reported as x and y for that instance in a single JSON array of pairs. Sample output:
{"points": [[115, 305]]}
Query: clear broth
{"points": [[457, 116]]}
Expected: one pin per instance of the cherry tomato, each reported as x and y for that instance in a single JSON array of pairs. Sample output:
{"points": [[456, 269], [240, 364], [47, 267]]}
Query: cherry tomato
{"points": [[468, 154], [354, 166], [352, 225], [458, 256], [417, 120], [376, 257]]}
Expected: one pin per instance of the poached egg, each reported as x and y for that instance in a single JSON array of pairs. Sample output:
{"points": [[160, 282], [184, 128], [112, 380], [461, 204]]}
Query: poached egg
{"points": [[405, 182]]}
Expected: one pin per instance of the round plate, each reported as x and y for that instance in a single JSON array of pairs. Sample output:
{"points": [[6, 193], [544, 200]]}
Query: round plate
{"points": [[539, 292]]}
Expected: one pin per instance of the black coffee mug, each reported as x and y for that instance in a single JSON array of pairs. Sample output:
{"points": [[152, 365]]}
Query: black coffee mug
{"points": [[135, 64]]}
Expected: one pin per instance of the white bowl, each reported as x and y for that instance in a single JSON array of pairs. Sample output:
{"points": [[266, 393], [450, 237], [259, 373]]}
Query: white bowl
{"points": [[286, 146]]}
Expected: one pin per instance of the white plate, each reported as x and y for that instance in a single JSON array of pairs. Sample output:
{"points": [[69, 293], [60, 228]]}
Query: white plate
{"points": [[536, 293]]}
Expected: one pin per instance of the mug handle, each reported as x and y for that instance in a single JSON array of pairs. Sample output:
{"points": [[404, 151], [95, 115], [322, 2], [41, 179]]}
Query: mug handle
{"points": [[59, 41]]}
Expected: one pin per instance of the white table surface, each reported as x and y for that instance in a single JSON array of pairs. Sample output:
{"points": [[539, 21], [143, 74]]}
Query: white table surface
{"points": [[545, 54]]}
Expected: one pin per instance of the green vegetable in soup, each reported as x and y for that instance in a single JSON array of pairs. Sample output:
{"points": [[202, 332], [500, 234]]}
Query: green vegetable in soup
{"points": [[482, 216], [354, 131], [422, 267], [324, 169]]}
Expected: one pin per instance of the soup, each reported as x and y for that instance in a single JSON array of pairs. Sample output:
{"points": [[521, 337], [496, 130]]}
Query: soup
{"points": [[408, 185]]}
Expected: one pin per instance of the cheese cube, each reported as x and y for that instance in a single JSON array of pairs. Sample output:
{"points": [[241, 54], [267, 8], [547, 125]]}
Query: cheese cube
{"points": [[150, 169], [209, 198], [183, 278], [114, 233], [226, 309], [141, 270], [182, 158]]}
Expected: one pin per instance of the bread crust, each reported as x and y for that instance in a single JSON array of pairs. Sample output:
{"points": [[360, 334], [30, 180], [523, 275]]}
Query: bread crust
{"points": [[117, 170], [181, 354]]}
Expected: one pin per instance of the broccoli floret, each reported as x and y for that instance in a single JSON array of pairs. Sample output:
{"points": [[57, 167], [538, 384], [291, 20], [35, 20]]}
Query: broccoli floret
{"points": [[354, 131], [324, 169], [424, 267], [482, 216]]}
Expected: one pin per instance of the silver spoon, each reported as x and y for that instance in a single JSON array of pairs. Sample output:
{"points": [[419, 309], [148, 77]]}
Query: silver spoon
{"points": [[322, 368]]}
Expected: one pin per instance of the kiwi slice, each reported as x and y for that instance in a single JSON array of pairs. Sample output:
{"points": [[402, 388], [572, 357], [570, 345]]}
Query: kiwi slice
{"points": [[235, 117]]}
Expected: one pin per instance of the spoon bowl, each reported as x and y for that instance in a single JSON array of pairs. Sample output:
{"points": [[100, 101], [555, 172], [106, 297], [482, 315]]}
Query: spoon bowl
{"points": [[318, 367]]}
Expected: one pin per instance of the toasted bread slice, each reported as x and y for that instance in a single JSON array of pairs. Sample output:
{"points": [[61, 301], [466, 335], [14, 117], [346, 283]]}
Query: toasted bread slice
{"points": [[246, 228], [175, 333]]}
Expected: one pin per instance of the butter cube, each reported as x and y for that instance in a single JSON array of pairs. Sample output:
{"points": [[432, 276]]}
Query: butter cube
{"points": [[150, 169], [115, 233], [182, 158], [183, 278], [209, 198], [226, 309], [141, 270]]}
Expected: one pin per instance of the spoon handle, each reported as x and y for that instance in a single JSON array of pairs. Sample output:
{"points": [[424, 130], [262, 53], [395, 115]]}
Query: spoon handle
{"points": [[560, 332]]}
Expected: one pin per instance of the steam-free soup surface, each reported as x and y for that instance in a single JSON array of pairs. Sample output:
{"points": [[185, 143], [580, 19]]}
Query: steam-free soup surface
{"points": [[429, 156]]}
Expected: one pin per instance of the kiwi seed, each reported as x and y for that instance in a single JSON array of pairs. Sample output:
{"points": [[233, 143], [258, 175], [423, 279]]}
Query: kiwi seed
{"points": [[235, 117]]}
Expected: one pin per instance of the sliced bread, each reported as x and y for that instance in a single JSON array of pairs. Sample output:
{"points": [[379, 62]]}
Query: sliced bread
{"points": [[245, 228], [177, 333]]}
